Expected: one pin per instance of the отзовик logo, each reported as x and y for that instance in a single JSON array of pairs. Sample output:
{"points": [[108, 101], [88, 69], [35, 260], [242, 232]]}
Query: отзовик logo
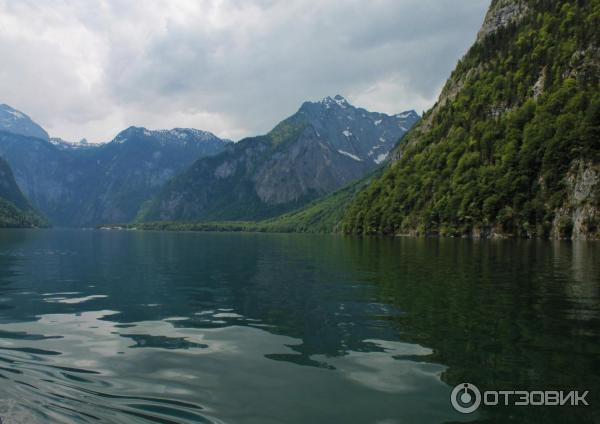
{"points": [[466, 398]]}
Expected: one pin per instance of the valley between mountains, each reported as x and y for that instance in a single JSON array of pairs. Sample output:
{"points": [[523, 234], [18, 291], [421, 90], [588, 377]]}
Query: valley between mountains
{"points": [[510, 149], [188, 174]]}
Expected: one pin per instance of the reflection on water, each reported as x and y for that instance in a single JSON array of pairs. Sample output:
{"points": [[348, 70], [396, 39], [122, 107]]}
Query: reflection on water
{"points": [[236, 328]]}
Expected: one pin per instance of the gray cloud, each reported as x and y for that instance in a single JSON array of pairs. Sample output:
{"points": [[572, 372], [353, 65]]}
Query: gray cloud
{"points": [[229, 66]]}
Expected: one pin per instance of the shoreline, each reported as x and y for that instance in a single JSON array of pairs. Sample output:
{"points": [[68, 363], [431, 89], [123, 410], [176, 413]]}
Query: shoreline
{"points": [[249, 227]]}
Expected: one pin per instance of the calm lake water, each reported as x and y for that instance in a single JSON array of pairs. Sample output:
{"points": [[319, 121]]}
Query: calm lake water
{"points": [[128, 327]]}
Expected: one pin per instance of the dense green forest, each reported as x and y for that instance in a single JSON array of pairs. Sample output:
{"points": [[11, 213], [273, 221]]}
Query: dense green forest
{"points": [[13, 217], [513, 143]]}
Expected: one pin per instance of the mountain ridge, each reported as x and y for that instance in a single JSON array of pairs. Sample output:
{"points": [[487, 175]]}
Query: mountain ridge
{"points": [[16, 122], [315, 151], [83, 184]]}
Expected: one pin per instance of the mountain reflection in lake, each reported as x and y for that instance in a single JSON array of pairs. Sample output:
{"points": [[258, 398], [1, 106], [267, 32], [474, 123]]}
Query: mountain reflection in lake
{"points": [[258, 328]]}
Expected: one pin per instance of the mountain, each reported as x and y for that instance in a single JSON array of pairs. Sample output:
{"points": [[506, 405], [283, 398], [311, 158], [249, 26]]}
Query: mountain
{"points": [[16, 122], [323, 146], [69, 145], [9, 190], [135, 165], [512, 147], [15, 210], [86, 184]]}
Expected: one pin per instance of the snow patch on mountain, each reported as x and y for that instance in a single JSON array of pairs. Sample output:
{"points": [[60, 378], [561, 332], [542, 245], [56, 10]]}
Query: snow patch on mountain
{"points": [[350, 155], [16, 114], [16, 122], [176, 135], [380, 158], [338, 101], [406, 114], [83, 144]]}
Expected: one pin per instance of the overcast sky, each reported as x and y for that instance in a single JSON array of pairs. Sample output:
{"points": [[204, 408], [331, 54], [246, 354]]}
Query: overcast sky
{"points": [[233, 67]]}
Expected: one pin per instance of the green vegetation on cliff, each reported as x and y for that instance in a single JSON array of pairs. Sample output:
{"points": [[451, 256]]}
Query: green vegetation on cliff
{"points": [[15, 210], [322, 216], [513, 144], [13, 217]]}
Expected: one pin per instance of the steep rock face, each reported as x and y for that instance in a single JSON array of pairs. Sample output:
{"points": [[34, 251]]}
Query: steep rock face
{"points": [[511, 147], [8, 187], [501, 14], [579, 217], [85, 185], [15, 210], [39, 169], [16, 122], [355, 132], [134, 166], [323, 146]]}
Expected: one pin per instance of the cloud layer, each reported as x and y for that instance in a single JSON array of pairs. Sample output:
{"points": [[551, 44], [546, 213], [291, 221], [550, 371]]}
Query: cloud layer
{"points": [[233, 67]]}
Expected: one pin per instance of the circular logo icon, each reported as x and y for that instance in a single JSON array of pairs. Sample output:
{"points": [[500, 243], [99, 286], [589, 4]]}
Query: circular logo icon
{"points": [[465, 398]]}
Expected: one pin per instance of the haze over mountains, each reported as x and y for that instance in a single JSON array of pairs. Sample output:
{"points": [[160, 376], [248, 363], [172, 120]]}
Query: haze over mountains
{"points": [[83, 185], [323, 146]]}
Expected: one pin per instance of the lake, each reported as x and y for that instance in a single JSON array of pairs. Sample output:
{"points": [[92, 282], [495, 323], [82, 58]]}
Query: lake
{"points": [[149, 327]]}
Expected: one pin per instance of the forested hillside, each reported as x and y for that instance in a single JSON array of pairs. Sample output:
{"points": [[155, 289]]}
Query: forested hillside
{"points": [[512, 146]]}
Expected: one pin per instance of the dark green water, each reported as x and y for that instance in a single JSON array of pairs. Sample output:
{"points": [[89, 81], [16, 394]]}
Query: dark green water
{"points": [[127, 327]]}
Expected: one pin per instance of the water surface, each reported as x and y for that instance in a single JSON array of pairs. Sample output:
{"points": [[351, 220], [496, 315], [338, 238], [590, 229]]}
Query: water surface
{"points": [[127, 327]]}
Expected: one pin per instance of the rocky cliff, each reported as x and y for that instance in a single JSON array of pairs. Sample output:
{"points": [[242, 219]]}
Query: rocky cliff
{"points": [[323, 146], [15, 210], [512, 147]]}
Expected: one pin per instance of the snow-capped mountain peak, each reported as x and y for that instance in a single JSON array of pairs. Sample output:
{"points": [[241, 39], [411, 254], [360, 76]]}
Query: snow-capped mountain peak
{"points": [[368, 136], [163, 137], [16, 122], [407, 114], [82, 144], [336, 101]]}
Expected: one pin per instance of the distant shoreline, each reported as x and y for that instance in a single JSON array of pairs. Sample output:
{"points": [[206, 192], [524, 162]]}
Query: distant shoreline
{"points": [[256, 227]]}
